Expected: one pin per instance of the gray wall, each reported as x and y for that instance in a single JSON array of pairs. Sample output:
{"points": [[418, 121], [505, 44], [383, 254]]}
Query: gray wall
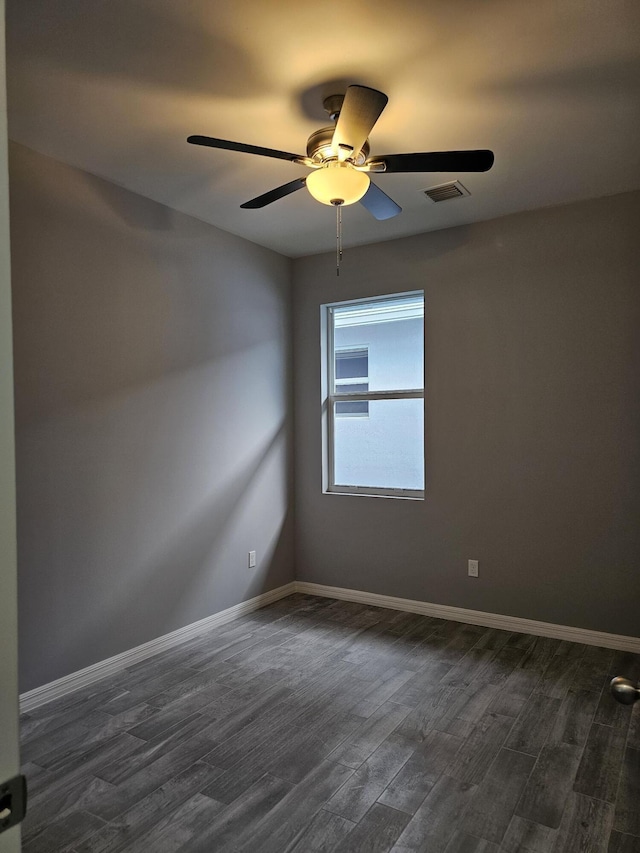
{"points": [[153, 415], [532, 416]]}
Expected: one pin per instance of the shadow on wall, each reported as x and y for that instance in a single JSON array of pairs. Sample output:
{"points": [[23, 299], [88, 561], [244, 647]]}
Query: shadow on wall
{"points": [[137, 513], [182, 571], [113, 291], [134, 211]]}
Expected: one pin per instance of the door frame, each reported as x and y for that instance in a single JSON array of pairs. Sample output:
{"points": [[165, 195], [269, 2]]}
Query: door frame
{"points": [[9, 743]]}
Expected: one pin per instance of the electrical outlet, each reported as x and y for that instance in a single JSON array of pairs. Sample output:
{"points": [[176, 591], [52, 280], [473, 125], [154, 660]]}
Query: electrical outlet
{"points": [[473, 568], [252, 559]]}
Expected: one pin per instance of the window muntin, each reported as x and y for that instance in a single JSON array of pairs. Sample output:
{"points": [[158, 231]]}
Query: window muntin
{"points": [[375, 421]]}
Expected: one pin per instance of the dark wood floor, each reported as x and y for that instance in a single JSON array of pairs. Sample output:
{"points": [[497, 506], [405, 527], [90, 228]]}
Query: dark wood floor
{"points": [[316, 725]]}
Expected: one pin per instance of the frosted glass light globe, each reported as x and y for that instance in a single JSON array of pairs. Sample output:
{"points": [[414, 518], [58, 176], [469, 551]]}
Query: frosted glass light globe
{"points": [[337, 183]]}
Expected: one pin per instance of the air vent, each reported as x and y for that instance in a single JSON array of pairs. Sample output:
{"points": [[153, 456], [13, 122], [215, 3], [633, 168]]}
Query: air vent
{"points": [[444, 192]]}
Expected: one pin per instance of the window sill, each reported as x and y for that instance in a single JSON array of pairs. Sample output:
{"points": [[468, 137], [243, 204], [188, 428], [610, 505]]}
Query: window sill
{"points": [[401, 495]]}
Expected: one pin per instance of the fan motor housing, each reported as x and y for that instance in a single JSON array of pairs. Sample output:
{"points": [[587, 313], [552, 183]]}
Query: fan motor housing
{"points": [[319, 147]]}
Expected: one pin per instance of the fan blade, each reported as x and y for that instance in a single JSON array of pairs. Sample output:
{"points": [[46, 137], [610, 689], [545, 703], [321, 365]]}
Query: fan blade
{"points": [[379, 204], [439, 161], [241, 146], [360, 110], [274, 195]]}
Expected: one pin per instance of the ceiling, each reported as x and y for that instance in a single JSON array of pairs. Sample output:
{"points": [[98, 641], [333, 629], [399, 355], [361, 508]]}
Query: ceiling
{"points": [[115, 87]]}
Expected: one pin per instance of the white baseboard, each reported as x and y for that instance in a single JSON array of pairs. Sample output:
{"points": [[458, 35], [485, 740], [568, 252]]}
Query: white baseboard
{"points": [[102, 669], [84, 677], [476, 617]]}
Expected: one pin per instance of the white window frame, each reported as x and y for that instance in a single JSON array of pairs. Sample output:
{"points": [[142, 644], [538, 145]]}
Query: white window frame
{"points": [[332, 396]]}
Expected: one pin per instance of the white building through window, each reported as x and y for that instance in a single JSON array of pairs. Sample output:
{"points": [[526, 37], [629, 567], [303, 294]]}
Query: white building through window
{"points": [[374, 396]]}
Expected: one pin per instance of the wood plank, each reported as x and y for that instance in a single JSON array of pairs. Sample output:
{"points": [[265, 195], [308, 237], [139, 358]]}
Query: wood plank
{"points": [[434, 824], [627, 815], [180, 829], [573, 721], [599, 770], [66, 799], [369, 735], [559, 676], [480, 748], [491, 809], [134, 823], [620, 843], [434, 706], [533, 724], [189, 688], [462, 842], [494, 638], [524, 836], [376, 832], [149, 751], [144, 690], [286, 822], [408, 790], [290, 754], [38, 779], [633, 734], [421, 684], [501, 666], [586, 825], [325, 832], [236, 779], [241, 817], [521, 641], [515, 691], [380, 691], [539, 654], [136, 787], [73, 788], [544, 797], [46, 749], [593, 672], [466, 709], [354, 799], [306, 748], [62, 832], [477, 661]]}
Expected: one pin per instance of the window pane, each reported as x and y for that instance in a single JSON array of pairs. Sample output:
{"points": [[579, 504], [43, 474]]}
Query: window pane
{"points": [[351, 387], [384, 450], [355, 407], [391, 332], [352, 364]]}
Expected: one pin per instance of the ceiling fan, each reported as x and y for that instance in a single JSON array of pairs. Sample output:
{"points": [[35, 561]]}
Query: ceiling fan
{"points": [[340, 158]]}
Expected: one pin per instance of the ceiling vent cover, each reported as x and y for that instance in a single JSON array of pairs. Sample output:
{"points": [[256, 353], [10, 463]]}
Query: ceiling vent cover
{"points": [[444, 192]]}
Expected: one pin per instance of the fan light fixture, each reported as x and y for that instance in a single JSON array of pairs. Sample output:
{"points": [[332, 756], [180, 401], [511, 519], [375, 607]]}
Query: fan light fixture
{"points": [[339, 158], [337, 183]]}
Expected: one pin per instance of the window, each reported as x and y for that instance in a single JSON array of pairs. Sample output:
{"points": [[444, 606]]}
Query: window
{"points": [[374, 396]]}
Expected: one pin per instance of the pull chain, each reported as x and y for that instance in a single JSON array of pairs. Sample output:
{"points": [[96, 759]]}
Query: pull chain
{"points": [[338, 236]]}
